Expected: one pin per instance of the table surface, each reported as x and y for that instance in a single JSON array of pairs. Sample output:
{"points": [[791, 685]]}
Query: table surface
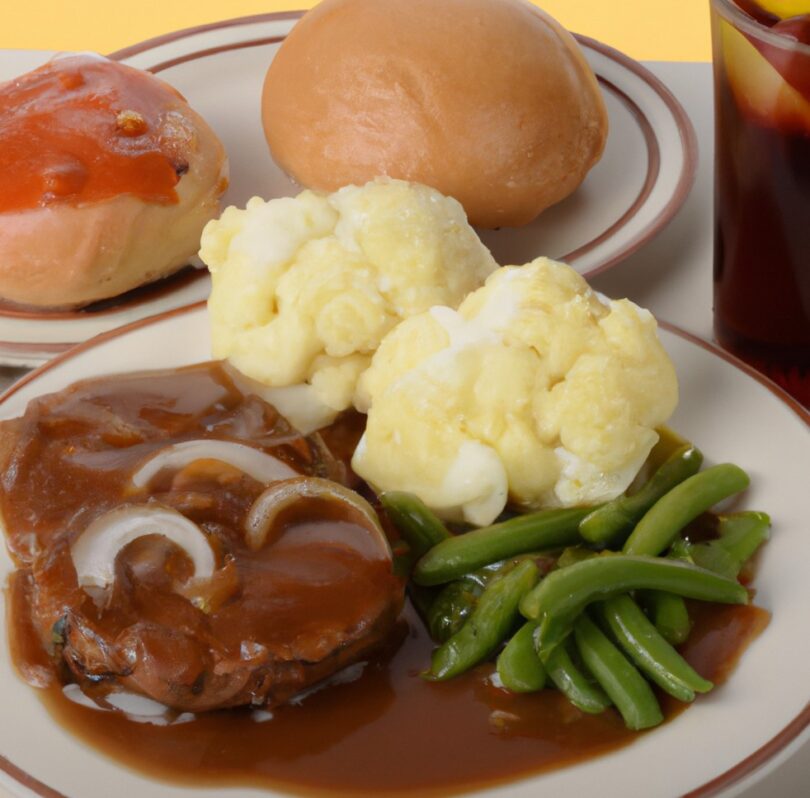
{"points": [[672, 277]]}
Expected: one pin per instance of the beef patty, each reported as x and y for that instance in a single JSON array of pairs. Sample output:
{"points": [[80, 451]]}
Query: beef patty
{"points": [[267, 620]]}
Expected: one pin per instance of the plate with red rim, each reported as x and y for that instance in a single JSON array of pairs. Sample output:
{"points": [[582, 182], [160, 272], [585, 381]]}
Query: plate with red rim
{"points": [[640, 183], [723, 743]]}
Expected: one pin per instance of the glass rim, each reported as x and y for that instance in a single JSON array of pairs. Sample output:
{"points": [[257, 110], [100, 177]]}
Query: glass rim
{"points": [[737, 17]]}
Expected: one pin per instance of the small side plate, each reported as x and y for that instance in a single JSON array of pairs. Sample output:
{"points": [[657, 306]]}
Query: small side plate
{"points": [[643, 178]]}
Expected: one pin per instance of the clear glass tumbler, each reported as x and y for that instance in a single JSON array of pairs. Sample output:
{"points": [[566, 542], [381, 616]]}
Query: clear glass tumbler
{"points": [[762, 188]]}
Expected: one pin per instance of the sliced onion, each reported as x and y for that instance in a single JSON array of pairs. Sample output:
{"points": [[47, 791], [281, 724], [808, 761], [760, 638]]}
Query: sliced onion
{"points": [[261, 466], [279, 497], [135, 704], [94, 552], [75, 694]]}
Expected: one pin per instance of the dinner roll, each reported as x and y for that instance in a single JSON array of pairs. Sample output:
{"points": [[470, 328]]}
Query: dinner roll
{"points": [[108, 179], [489, 101]]}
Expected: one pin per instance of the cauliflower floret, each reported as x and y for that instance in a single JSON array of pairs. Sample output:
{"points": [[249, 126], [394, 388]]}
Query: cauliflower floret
{"points": [[305, 288], [534, 390]]}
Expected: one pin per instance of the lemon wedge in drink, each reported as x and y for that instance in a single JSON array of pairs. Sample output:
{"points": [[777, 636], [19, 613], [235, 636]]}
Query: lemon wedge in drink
{"points": [[785, 8]]}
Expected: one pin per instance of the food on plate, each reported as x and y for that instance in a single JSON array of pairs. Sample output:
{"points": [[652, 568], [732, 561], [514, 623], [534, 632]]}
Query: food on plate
{"points": [[209, 538], [220, 561], [305, 288], [533, 367], [583, 629], [606, 522], [237, 535], [488, 101], [108, 179]]}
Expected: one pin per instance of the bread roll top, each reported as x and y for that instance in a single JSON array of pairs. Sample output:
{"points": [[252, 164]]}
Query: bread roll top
{"points": [[489, 101]]}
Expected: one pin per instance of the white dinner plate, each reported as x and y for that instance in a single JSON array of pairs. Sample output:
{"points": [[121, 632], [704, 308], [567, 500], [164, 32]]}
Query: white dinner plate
{"points": [[641, 181], [725, 740]]}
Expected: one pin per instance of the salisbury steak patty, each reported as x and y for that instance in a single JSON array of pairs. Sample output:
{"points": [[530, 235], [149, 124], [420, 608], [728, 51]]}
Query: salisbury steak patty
{"points": [[147, 563]]}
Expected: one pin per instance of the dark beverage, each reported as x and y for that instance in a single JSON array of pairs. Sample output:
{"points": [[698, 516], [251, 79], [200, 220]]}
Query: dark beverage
{"points": [[762, 191]]}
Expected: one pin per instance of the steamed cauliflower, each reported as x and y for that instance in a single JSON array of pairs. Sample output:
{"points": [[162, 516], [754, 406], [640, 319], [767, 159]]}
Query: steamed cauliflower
{"points": [[535, 390], [305, 288]]}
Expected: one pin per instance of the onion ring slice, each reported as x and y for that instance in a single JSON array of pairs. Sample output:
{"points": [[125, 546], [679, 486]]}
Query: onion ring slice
{"points": [[264, 513], [94, 552], [255, 463]]}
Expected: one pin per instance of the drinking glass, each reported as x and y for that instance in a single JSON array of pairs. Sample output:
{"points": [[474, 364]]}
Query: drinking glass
{"points": [[762, 190]]}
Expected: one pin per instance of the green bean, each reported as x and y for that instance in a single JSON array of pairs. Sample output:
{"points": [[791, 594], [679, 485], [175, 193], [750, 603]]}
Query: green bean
{"points": [[490, 623], [549, 529], [402, 558], [650, 651], [573, 683], [519, 667], [422, 599], [627, 688], [456, 600], [620, 515], [420, 528], [574, 554], [740, 535], [669, 615], [664, 520], [544, 561], [708, 555], [452, 606], [556, 602]]}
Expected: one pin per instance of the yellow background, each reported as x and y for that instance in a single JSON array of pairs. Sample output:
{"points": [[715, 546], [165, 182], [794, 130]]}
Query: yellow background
{"points": [[666, 30]]}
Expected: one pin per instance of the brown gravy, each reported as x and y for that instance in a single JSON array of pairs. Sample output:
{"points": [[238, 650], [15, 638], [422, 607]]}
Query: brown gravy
{"points": [[390, 732], [382, 731]]}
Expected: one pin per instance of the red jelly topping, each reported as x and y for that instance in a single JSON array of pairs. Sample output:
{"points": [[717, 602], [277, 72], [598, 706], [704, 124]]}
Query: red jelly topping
{"points": [[84, 129]]}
